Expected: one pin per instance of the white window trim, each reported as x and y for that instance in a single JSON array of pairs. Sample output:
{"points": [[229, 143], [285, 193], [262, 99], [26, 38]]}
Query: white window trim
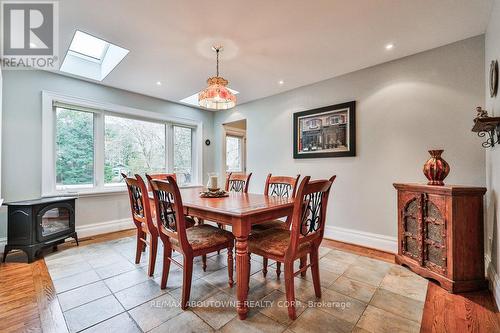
{"points": [[49, 144]]}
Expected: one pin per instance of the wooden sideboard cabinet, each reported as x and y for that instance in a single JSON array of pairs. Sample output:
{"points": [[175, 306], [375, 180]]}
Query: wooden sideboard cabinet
{"points": [[440, 234]]}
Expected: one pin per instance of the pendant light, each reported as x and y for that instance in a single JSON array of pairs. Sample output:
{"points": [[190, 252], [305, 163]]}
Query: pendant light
{"points": [[217, 96]]}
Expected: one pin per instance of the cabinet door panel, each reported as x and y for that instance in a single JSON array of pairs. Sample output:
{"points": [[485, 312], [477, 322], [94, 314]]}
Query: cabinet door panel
{"points": [[435, 233], [411, 225]]}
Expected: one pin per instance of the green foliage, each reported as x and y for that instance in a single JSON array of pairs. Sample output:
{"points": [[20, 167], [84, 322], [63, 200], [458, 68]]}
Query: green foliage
{"points": [[75, 147], [131, 146]]}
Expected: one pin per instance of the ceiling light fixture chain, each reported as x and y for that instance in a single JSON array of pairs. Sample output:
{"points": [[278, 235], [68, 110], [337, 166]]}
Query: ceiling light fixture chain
{"points": [[217, 50]]}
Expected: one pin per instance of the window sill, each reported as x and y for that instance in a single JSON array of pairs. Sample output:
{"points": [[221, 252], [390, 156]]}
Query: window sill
{"points": [[98, 193]]}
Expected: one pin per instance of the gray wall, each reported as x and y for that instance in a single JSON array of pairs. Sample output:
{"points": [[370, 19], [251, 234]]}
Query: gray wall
{"points": [[404, 108], [22, 133], [492, 46]]}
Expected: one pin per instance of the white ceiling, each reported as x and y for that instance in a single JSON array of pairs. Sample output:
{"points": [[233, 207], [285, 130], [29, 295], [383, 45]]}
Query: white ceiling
{"points": [[265, 41]]}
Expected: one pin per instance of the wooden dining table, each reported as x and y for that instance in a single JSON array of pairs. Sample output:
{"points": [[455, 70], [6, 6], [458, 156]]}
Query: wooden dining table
{"points": [[240, 211]]}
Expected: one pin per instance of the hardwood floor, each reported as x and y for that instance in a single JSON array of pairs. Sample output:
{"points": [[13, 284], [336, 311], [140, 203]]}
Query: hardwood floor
{"points": [[468, 312], [27, 299], [28, 302]]}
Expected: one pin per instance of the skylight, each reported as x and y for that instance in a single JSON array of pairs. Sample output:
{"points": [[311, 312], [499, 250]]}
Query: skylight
{"points": [[92, 57], [89, 46], [193, 99]]}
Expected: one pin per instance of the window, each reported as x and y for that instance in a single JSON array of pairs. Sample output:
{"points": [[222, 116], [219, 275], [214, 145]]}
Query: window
{"points": [[74, 148], [183, 154], [132, 146], [86, 146], [234, 153]]}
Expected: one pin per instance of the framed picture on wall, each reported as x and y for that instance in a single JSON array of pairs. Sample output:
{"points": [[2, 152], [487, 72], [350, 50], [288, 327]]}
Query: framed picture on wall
{"points": [[329, 131]]}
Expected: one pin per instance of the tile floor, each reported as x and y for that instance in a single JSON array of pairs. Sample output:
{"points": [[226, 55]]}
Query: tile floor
{"points": [[100, 289]]}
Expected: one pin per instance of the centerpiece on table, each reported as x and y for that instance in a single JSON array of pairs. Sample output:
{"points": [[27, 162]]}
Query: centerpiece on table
{"points": [[213, 190]]}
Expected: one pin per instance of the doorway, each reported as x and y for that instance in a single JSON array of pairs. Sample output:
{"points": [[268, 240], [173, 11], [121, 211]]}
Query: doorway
{"points": [[234, 152]]}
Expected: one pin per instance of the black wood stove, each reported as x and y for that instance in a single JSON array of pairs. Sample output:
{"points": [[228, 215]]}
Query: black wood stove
{"points": [[35, 224]]}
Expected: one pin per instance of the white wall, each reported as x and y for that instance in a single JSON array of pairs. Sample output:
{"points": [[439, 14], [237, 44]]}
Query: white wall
{"points": [[492, 51], [22, 133], [404, 108]]}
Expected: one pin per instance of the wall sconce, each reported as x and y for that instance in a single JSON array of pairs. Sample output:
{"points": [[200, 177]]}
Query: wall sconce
{"points": [[486, 126]]}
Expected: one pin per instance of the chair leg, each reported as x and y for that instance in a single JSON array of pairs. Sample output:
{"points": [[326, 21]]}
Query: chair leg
{"points": [[230, 265], [315, 271], [264, 266], [186, 281], [145, 237], [290, 290], [152, 255], [167, 254], [139, 246], [221, 226], [278, 269], [204, 260], [303, 263]]}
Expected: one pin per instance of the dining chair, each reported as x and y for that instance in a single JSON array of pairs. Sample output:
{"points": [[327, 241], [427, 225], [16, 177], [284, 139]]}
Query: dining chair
{"points": [[238, 182], [163, 176], [159, 176], [190, 221], [278, 186], [141, 215], [199, 240], [304, 238]]}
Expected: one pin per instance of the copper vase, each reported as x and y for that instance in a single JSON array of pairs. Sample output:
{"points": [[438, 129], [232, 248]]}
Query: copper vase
{"points": [[436, 169]]}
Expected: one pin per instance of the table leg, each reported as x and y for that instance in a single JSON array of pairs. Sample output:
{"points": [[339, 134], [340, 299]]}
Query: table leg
{"points": [[242, 275]]}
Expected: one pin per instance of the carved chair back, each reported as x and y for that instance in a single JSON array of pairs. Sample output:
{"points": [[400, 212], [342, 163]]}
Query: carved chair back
{"points": [[139, 202], [281, 186], [170, 217], [309, 213], [159, 176], [238, 182]]}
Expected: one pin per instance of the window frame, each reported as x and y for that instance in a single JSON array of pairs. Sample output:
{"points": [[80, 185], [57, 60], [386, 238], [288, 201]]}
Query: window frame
{"points": [[100, 110]]}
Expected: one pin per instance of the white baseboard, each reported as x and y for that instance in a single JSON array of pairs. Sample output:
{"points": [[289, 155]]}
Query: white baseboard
{"points": [[93, 229], [3, 242], [104, 227], [368, 239], [375, 241], [494, 279]]}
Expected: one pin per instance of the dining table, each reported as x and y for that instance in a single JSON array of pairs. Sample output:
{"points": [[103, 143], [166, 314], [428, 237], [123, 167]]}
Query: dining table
{"points": [[240, 211]]}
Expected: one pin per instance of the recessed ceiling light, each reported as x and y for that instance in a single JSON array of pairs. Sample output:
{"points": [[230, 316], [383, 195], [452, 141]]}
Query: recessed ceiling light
{"points": [[389, 46], [281, 82], [158, 83]]}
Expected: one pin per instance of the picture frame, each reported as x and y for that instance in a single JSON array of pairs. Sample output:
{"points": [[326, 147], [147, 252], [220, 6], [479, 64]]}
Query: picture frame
{"points": [[328, 131], [493, 78]]}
